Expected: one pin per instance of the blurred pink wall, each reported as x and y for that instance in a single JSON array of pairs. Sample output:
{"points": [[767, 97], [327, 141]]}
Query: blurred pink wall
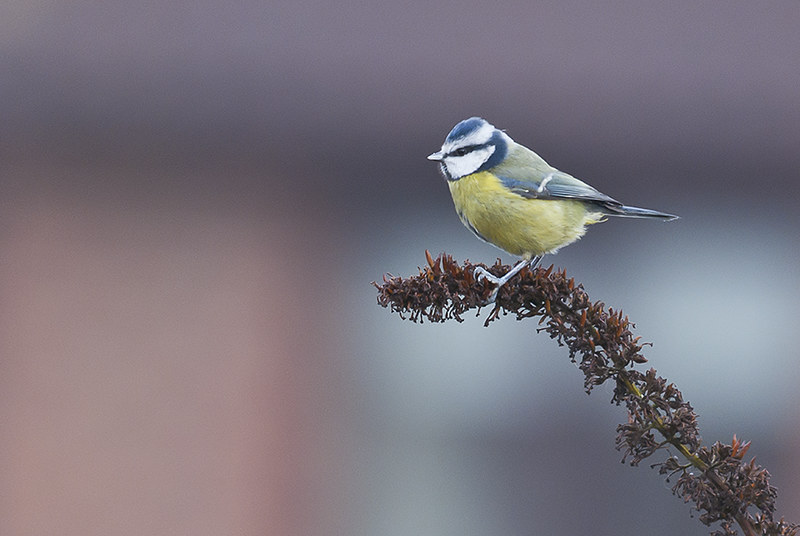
{"points": [[158, 371]]}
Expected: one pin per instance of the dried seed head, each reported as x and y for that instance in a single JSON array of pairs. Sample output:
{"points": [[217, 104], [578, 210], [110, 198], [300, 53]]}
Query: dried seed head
{"points": [[724, 489]]}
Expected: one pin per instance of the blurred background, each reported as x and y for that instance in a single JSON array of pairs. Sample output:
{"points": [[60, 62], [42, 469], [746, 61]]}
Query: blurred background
{"points": [[195, 197]]}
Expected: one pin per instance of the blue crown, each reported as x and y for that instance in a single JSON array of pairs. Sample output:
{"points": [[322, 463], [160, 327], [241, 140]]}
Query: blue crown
{"points": [[465, 128]]}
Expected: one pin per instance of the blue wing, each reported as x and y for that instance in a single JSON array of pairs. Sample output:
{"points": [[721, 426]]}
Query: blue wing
{"points": [[556, 185], [526, 174]]}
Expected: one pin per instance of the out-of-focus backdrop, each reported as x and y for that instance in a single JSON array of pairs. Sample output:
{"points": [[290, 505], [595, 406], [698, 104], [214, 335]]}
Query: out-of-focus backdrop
{"points": [[195, 197]]}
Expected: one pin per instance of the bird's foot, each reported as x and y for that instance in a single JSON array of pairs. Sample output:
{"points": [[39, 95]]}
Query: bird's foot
{"points": [[482, 273]]}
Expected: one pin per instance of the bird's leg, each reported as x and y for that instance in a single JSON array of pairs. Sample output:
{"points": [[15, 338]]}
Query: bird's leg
{"points": [[482, 272]]}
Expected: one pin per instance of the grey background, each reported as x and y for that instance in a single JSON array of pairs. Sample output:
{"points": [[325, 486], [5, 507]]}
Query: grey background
{"points": [[194, 197]]}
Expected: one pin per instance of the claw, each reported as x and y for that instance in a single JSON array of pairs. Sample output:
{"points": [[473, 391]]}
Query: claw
{"points": [[493, 296], [482, 273]]}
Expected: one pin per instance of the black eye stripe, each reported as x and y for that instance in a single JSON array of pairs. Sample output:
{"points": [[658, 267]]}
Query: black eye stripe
{"points": [[461, 151]]}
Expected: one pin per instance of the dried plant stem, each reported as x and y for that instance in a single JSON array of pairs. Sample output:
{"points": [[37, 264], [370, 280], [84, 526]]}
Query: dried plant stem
{"points": [[742, 520], [726, 490], [659, 425]]}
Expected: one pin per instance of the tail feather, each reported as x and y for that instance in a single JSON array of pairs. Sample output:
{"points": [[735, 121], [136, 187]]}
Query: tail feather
{"points": [[636, 212]]}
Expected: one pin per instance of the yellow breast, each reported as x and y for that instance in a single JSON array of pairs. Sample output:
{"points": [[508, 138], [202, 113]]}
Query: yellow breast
{"points": [[521, 226]]}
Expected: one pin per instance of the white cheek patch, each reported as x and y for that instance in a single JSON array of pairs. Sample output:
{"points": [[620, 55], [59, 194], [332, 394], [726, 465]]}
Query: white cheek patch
{"points": [[459, 166]]}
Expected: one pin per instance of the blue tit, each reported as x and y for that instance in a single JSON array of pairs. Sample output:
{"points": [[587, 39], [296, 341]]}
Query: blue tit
{"points": [[510, 197]]}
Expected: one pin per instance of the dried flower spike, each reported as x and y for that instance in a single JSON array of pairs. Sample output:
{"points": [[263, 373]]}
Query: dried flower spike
{"points": [[723, 487]]}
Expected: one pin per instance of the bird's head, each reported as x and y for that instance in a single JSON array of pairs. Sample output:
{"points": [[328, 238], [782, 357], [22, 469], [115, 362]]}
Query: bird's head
{"points": [[473, 145]]}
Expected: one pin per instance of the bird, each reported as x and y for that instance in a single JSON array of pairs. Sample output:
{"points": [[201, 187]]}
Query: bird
{"points": [[509, 196]]}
